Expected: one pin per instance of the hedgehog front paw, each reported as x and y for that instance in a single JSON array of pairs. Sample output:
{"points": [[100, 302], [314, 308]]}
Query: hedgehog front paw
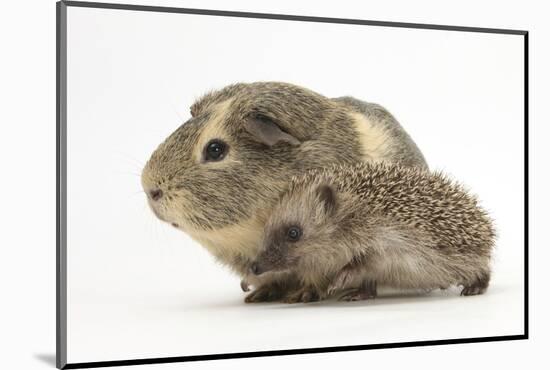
{"points": [[245, 286], [304, 295], [264, 293]]}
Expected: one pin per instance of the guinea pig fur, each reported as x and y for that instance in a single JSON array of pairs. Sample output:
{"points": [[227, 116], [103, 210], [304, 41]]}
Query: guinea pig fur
{"points": [[218, 175]]}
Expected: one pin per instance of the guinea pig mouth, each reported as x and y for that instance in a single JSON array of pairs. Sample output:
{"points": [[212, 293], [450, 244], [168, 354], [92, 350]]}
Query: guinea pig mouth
{"points": [[156, 212]]}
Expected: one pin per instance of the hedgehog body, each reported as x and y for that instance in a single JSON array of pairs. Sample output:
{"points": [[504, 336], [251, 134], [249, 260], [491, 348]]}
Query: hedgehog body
{"points": [[377, 223]]}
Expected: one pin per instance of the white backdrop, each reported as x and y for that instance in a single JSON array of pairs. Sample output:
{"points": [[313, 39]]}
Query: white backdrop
{"points": [[138, 288], [28, 163]]}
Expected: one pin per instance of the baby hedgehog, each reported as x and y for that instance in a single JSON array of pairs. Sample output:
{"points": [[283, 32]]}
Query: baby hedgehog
{"points": [[348, 228]]}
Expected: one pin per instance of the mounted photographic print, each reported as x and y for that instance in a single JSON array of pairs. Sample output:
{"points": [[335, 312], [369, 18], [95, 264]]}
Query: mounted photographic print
{"points": [[242, 184]]}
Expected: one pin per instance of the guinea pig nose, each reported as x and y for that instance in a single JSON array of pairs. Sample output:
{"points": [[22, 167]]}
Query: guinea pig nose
{"points": [[255, 269], [155, 194]]}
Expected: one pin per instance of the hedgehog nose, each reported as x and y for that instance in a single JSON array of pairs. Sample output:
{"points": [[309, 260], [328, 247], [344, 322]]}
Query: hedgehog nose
{"points": [[255, 269], [155, 194]]}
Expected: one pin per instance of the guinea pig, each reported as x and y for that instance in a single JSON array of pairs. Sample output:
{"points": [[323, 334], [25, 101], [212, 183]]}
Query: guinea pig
{"points": [[349, 228], [219, 174]]}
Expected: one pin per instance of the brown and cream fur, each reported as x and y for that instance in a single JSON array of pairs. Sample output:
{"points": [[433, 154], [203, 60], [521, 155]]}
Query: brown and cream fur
{"points": [[273, 131], [377, 223]]}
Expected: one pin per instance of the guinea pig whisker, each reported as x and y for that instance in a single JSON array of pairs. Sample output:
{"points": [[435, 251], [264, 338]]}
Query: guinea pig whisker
{"points": [[177, 112], [129, 157]]}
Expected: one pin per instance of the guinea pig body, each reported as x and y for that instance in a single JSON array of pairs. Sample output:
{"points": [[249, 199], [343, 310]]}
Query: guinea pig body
{"points": [[350, 228], [219, 174]]}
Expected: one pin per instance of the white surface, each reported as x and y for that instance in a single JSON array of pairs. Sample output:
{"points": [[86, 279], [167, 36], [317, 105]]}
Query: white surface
{"points": [[28, 235], [138, 288]]}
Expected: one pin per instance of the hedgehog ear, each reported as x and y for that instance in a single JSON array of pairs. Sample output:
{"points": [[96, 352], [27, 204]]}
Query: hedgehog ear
{"points": [[194, 109], [327, 198], [264, 130]]}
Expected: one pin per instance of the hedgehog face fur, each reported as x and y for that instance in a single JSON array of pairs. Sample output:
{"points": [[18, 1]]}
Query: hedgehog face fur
{"points": [[299, 224]]}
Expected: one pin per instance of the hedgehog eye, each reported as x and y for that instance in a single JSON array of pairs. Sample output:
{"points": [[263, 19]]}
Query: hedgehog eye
{"points": [[294, 233], [215, 150]]}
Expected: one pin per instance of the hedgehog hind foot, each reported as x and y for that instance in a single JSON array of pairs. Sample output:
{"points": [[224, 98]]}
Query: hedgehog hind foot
{"points": [[367, 290], [479, 286]]}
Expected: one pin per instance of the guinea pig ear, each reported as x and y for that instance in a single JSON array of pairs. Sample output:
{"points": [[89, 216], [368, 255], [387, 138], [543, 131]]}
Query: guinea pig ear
{"points": [[327, 198], [267, 132]]}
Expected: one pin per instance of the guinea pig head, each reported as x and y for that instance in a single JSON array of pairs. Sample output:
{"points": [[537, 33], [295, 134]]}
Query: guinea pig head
{"points": [[230, 160]]}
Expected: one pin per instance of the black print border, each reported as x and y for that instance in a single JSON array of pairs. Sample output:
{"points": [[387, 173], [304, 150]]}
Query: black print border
{"points": [[61, 172]]}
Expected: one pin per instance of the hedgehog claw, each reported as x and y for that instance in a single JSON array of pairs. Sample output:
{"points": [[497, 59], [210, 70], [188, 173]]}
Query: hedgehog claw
{"points": [[472, 290], [266, 293], [367, 290], [245, 286], [305, 295], [479, 286]]}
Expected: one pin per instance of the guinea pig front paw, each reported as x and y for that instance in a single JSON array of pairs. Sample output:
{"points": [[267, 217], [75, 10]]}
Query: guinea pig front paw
{"points": [[304, 295]]}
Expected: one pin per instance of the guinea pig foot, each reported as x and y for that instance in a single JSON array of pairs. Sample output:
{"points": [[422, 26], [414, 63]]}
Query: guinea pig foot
{"points": [[478, 287], [367, 290], [245, 286], [302, 296], [266, 293]]}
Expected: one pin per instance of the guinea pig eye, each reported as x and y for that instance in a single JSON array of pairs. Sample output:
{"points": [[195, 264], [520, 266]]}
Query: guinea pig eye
{"points": [[215, 150], [294, 233]]}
